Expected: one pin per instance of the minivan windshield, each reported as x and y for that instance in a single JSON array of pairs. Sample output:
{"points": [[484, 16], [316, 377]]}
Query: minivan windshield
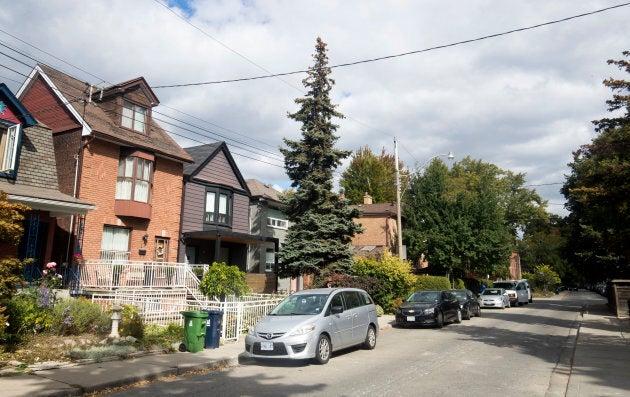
{"points": [[300, 304], [505, 285]]}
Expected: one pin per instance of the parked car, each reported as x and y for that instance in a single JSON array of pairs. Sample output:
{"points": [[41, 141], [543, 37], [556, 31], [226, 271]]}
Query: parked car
{"points": [[516, 290], [311, 324], [494, 297], [468, 303], [431, 307]]}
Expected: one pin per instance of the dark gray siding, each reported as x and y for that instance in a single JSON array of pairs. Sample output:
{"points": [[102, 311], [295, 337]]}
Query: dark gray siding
{"points": [[218, 171], [240, 214], [193, 208]]}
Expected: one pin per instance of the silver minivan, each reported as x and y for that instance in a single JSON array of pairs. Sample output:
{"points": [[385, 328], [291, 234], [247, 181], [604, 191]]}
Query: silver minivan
{"points": [[311, 324]]}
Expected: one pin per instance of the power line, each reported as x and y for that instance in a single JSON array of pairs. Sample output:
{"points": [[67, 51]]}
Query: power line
{"points": [[439, 47]]}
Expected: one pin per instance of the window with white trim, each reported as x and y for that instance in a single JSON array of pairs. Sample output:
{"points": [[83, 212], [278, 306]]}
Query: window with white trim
{"points": [[9, 135], [115, 243], [278, 223], [134, 117], [270, 259], [134, 179]]}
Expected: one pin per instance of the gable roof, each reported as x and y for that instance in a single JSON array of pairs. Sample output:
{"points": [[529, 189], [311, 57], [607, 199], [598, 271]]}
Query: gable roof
{"points": [[96, 121], [262, 190], [16, 106], [383, 209], [203, 154]]}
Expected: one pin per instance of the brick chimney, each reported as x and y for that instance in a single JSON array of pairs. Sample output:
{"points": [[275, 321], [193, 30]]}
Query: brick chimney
{"points": [[367, 199]]}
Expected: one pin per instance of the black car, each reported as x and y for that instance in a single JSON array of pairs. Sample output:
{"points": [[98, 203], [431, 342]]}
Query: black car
{"points": [[431, 307], [468, 303]]}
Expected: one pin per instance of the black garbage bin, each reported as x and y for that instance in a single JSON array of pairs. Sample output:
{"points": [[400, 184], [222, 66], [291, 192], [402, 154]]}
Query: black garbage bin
{"points": [[213, 328]]}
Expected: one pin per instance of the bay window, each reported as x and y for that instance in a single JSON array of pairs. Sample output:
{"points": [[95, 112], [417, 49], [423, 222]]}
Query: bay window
{"points": [[218, 207], [134, 179]]}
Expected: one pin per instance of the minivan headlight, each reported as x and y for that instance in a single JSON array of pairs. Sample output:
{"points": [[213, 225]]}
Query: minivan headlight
{"points": [[303, 330]]}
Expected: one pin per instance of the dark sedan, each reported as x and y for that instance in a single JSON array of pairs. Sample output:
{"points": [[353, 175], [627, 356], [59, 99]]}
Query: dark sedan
{"points": [[431, 307], [468, 303]]}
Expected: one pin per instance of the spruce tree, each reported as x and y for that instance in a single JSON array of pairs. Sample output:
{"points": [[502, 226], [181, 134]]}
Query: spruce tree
{"points": [[322, 222]]}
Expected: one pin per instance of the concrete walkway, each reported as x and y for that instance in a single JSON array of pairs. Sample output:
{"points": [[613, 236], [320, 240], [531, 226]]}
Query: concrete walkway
{"points": [[597, 364]]}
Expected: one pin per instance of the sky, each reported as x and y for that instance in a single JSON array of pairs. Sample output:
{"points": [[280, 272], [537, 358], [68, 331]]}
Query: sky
{"points": [[513, 83]]}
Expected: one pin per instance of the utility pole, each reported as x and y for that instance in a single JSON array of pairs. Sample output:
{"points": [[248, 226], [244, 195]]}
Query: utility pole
{"points": [[398, 216]]}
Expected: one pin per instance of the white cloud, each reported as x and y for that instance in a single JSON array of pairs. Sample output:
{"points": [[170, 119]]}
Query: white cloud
{"points": [[523, 101]]}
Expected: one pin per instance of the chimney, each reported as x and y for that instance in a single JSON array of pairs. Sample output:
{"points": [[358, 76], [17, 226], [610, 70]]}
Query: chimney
{"points": [[367, 199]]}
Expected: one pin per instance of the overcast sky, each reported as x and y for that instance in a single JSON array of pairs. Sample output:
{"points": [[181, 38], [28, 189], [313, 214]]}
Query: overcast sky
{"points": [[523, 100]]}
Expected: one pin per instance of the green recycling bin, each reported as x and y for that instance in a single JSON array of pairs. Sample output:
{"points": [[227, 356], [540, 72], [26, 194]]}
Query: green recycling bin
{"points": [[194, 330]]}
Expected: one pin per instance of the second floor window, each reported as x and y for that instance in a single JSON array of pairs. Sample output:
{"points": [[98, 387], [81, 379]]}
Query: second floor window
{"points": [[134, 179], [134, 117], [218, 207], [278, 223], [8, 146]]}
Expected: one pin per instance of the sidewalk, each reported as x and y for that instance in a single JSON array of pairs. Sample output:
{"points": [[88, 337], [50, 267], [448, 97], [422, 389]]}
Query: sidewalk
{"points": [[601, 360], [76, 380], [597, 364]]}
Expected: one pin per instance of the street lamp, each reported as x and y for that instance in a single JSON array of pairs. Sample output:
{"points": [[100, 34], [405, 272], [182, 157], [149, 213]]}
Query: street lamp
{"points": [[448, 155]]}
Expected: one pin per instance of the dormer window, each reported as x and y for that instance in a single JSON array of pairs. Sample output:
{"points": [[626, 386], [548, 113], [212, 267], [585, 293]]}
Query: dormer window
{"points": [[134, 117], [8, 147]]}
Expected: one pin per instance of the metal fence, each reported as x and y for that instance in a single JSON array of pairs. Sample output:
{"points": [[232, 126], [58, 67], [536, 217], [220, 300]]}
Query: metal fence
{"points": [[164, 306]]}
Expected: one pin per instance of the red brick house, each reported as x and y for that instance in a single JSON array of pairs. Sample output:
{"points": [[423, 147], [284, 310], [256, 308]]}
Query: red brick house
{"points": [[110, 152], [28, 175], [379, 228]]}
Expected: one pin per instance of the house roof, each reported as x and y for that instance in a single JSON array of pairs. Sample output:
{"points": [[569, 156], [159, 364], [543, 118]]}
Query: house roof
{"points": [[203, 154], [35, 183], [98, 122], [385, 209], [262, 190], [200, 156], [18, 109]]}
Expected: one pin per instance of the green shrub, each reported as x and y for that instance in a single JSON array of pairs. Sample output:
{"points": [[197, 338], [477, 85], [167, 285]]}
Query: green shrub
{"points": [[162, 336], [131, 323], [379, 310], [424, 282], [394, 277], [459, 284], [77, 316], [30, 311], [222, 280]]}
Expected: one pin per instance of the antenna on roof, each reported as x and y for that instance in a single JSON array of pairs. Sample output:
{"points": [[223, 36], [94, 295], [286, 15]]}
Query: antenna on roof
{"points": [[100, 98]]}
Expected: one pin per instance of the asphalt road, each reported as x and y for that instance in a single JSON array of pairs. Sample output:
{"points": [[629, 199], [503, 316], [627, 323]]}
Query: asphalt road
{"points": [[504, 352]]}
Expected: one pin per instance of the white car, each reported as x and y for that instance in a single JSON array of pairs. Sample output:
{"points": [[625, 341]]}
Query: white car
{"points": [[494, 297], [314, 323], [516, 289]]}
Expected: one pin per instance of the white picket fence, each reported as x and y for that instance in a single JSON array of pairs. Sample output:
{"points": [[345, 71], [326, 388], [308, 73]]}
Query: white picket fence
{"points": [[162, 306]]}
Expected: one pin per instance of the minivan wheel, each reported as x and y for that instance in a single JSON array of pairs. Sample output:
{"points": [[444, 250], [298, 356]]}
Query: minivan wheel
{"points": [[322, 353], [370, 339]]}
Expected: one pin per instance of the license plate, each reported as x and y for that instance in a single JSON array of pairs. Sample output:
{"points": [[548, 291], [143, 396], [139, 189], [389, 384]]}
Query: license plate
{"points": [[266, 345], [411, 318]]}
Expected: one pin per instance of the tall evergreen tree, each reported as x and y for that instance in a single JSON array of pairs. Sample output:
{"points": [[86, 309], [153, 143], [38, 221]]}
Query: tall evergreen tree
{"points": [[322, 222]]}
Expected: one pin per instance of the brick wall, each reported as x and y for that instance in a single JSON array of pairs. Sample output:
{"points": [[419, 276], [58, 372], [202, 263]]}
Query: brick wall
{"points": [[98, 186]]}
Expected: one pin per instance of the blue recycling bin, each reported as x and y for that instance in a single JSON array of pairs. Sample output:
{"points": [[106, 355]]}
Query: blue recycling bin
{"points": [[213, 328]]}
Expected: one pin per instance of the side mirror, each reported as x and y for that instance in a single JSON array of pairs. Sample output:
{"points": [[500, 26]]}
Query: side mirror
{"points": [[336, 309]]}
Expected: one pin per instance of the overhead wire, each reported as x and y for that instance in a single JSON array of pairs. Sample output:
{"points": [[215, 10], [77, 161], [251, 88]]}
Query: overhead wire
{"points": [[66, 93], [381, 58]]}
